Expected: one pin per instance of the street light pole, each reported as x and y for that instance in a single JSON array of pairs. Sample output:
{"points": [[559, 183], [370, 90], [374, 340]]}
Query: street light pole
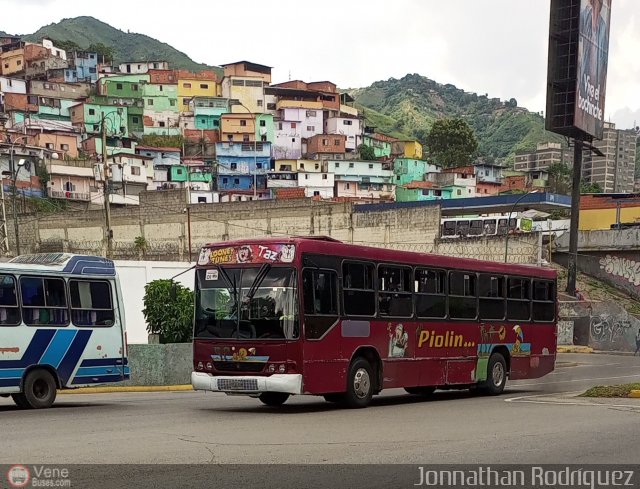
{"points": [[14, 177], [506, 241]]}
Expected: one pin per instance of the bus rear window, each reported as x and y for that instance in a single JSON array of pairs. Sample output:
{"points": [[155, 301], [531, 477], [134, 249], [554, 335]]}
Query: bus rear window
{"points": [[91, 303]]}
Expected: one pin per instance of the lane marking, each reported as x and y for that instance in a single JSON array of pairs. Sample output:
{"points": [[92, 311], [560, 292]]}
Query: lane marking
{"points": [[532, 400], [576, 380]]}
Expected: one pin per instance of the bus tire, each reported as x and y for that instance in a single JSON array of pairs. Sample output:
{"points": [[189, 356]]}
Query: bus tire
{"points": [[420, 391], [39, 389], [273, 399], [496, 375], [359, 384]]}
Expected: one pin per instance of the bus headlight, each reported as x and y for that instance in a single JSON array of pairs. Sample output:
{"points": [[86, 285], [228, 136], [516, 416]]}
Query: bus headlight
{"points": [[199, 365], [209, 366], [271, 368], [282, 368]]}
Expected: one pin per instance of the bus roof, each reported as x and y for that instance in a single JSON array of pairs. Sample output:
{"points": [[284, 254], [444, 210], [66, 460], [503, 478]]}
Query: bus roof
{"points": [[325, 245], [65, 263]]}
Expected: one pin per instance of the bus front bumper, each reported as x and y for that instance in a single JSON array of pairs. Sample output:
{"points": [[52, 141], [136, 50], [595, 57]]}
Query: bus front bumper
{"points": [[246, 384]]}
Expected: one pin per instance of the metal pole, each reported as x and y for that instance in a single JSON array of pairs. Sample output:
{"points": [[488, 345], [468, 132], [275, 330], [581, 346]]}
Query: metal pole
{"points": [[107, 203], [14, 175], [189, 229], [5, 234], [572, 266], [506, 241]]}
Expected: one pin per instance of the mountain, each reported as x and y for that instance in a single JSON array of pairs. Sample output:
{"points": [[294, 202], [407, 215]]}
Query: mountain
{"points": [[126, 46], [408, 107]]}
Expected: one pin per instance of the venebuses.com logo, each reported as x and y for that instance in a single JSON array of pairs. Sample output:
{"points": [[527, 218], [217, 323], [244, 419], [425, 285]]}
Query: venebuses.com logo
{"points": [[18, 476]]}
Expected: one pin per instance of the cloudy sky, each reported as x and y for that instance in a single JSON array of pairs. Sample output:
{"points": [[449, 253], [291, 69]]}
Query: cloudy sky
{"points": [[497, 47]]}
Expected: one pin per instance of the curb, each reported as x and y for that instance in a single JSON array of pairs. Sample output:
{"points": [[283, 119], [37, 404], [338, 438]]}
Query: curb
{"points": [[574, 349], [635, 394], [127, 388]]}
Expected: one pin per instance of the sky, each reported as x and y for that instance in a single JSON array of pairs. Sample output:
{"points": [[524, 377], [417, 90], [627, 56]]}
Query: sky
{"points": [[498, 47]]}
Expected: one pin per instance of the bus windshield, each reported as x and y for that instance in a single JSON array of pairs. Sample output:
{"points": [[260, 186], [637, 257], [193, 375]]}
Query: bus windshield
{"points": [[246, 303]]}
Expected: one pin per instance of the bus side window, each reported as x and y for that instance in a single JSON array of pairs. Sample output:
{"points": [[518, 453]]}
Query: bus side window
{"points": [[431, 294], [91, 303], [319, 290], [462, 295], [9, 308], [491, 292], [358, 289], [544, 300], [44, 301], [518, 299], [394, 298]]}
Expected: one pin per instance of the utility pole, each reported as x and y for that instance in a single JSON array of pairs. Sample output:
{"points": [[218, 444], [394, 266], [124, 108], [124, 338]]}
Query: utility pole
{"points": [[572, 265], [4, 235], [107, 208]]}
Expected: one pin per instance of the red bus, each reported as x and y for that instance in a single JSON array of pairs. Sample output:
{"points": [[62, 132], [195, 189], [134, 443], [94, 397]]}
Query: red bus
{"points": [[312, 315]]}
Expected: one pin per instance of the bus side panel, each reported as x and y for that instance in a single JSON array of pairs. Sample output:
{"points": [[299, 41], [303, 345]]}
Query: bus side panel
{"points": [[325, 370], [20, 348]]}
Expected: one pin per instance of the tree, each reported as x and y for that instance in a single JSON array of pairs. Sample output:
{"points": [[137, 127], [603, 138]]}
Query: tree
{"points": [[560, 179], [590, 188], [168, 314], [102, 50], [366, 152], [451, 142]]}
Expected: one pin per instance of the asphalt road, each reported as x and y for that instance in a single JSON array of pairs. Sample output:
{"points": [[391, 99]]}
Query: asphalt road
{"points": [[535, 421]]}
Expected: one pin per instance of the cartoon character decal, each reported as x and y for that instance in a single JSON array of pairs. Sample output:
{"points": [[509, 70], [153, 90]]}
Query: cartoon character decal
{"points": [[398, 341], [288, 253], [516, 348], [244, 254], [205, 253]]}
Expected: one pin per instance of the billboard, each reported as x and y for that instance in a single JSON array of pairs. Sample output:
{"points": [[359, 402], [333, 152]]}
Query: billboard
{"points": [[577, 67], [593, 54]]}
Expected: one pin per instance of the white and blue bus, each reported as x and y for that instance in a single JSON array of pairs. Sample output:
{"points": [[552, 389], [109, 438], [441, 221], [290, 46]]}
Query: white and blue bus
{"points": [[62, 326]]}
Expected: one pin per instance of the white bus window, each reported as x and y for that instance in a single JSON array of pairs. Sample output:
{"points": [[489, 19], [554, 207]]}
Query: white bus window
{"points": [[44, 301], [9, 308], [91, 303]]}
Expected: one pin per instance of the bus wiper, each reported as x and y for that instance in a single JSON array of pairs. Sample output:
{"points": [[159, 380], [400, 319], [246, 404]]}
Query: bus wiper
{"points": [[262, 273]]}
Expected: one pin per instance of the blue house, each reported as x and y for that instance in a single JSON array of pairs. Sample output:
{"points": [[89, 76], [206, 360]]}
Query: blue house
{"points": [[240, 163], [83, 66]]}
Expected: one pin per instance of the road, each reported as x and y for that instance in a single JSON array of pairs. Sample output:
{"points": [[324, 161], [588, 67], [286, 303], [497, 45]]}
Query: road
{"points": [[535, 421]]}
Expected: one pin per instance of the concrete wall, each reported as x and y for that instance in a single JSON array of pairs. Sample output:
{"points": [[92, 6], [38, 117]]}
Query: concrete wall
{"points": [[604, 326], [169, 364], [161, 220]]}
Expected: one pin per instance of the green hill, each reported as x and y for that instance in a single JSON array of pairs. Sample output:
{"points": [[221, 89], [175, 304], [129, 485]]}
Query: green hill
{"points": [[126, 46], [408, 107]]}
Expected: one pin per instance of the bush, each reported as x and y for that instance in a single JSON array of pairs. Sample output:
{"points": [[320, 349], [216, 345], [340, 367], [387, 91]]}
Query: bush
{"points": [[167, 315]]}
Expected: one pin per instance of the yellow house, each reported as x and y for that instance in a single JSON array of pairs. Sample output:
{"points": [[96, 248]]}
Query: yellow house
{"points": [[203, 84], [600, 211], [12, 62], [407, 149], [238, 128]]}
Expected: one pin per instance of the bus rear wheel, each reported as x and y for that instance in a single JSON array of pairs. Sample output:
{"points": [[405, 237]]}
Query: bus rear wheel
{"points": [[359, 384], [421, 391], [273, 399], [39, 391], [496, 375]]}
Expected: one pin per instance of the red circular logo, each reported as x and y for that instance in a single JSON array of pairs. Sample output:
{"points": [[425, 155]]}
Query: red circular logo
{"points": [[18, 476]]}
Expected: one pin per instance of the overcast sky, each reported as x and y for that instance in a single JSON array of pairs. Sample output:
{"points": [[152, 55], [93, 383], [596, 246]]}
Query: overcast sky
{"points": [[497, 47]]}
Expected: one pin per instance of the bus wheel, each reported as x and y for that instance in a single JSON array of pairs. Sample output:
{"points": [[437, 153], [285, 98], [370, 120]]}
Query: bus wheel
{"points": [[421, 391], [496, 375], [39, 389], [273, 399], [359, 387]]}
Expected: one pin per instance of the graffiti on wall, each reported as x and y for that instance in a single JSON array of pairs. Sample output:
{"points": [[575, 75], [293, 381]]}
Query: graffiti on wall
{"points": [[601, 325], [565, 332], [622, 267]]}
